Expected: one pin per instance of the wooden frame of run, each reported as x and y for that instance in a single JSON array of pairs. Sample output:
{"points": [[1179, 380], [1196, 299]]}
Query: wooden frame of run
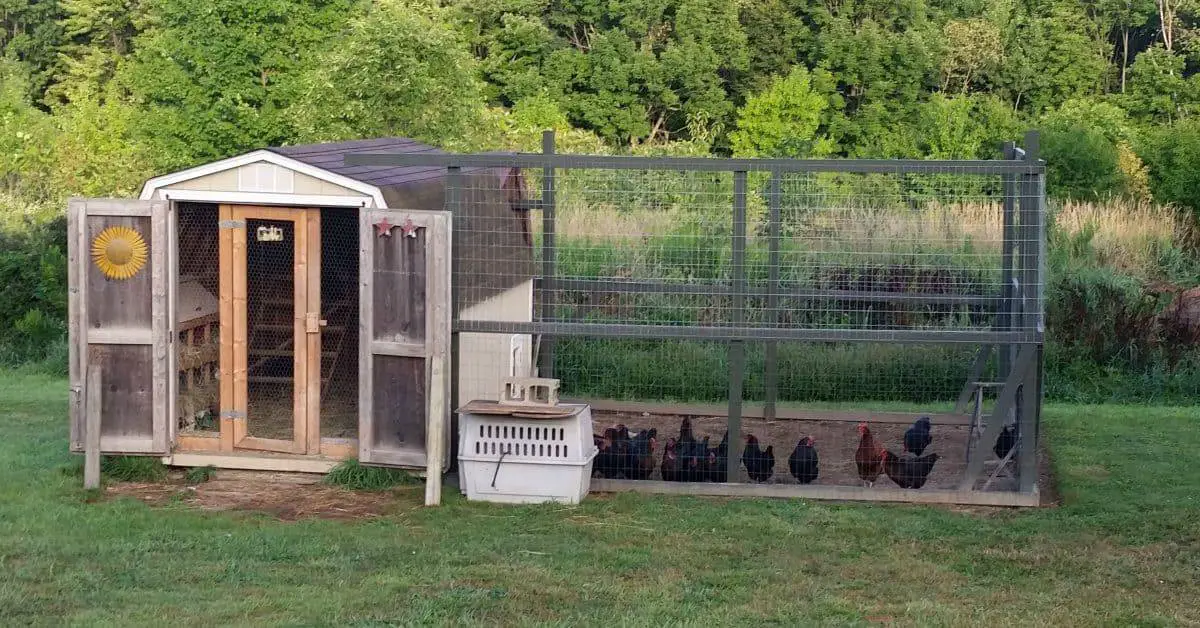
{"points": [[306, 388]]}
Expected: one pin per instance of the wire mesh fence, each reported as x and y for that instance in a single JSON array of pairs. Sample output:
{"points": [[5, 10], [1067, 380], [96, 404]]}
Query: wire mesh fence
{"points": [[781, 283]]}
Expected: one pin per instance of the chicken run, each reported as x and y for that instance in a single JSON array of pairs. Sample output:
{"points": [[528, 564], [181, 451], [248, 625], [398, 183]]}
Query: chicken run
{"points": [[696, 449]]}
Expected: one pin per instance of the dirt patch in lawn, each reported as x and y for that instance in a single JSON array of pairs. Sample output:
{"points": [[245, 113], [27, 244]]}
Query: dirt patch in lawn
{"points": [[285, 496]]}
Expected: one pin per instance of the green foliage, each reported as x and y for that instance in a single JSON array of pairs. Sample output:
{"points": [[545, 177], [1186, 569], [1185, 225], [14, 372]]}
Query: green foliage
{"points": [[1081, 163], [1172, 155], [133, 468], [783, 120], [397, 71], [1158, 89], [217, 77], [350, 474], [200, 475], [33, 269]]}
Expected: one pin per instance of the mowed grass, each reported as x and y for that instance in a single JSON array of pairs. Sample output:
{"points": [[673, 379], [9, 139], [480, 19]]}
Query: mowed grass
{"points": [[1124, 549]]}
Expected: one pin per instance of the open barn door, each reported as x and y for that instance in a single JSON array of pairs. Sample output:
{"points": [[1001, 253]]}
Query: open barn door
{"points": [[121, 324], [404, 325]]}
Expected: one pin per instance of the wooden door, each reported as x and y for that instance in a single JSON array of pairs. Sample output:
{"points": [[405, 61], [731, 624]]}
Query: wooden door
{"points": [[270, 332], [119, 273], [404, 331]]}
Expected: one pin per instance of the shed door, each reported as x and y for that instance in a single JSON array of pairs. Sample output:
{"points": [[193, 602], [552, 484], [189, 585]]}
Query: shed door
{"points": [[119, 300], [404, 323]]}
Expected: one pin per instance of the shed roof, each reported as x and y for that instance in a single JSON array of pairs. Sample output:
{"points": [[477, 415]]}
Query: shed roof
{"points": [[331, 157]]}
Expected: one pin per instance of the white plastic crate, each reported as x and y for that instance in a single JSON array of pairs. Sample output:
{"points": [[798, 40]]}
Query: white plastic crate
{"points": [[515, 460]]}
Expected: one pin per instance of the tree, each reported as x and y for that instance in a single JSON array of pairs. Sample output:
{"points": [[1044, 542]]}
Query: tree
{"points": [[30, 34], [400, 70], [217, 77], [973, 49], [1049, 57], [1081, 163], [99, 34], [783, 120], [1158, 90]]}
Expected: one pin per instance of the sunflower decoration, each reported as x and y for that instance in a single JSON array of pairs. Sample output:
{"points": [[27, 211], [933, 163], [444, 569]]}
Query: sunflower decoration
{"points": [[119, 252]]}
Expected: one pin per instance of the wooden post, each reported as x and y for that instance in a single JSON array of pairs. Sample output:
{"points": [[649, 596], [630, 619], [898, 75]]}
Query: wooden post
{"points": [[770, 361], [91, 438], [435, 434], [1033, 210], [737, 348]]}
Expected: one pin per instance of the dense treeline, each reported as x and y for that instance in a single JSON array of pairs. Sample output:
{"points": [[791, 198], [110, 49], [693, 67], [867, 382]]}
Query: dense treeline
{"points": [[97, 95]]}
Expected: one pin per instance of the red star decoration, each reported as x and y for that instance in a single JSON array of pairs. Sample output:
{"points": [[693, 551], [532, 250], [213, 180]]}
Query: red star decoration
{"points": [[409, 229], [384, 228]]}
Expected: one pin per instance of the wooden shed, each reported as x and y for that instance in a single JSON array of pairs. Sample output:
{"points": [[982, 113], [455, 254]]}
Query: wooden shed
{"points": [[281, 310]]}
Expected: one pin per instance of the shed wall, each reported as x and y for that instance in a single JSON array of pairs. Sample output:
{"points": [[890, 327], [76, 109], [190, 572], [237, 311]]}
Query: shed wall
{"points": [[262, 176], [484, 359]]}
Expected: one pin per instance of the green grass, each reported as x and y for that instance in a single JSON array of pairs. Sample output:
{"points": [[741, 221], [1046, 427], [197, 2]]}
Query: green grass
{"points": [[357, 477], [1123, 550]]}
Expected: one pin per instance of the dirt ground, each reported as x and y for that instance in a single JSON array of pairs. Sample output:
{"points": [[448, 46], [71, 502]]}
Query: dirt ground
{"points": [[835, 442], [285, 496]]}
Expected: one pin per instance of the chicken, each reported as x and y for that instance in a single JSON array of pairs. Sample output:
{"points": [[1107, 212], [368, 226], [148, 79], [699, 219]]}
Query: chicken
{"points": [[908, 472], [670, 462], [641, 455], [918, 437], [692, 454], [868, 457], [718, 461], [1005, 442], [606, 464], [803, 461], [759, 464]]}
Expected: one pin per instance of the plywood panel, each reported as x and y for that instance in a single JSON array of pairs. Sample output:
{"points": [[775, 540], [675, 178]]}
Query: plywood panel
{"points": [[399, 403], [127, 399], [399, 286], [124, 302]]}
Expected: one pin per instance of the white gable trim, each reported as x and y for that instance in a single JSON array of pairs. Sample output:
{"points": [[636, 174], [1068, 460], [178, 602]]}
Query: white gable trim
{"points": [[152, 187], [264, 198]]}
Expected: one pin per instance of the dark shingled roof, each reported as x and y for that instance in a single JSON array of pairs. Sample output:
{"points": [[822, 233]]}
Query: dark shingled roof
{"points": [[493, 237], [331, 157]]}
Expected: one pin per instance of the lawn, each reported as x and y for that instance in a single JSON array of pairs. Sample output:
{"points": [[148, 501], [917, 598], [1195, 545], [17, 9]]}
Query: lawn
{"points": [[1123, 549]]}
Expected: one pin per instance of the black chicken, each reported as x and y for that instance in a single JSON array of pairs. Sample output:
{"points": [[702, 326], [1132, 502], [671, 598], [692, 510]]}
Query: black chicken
{"points": [[1005, 442], [908, 472], [760, 464], [718, 461], [670, 462], [607, 464], [803, 461], [918, 437], [641, 455]]}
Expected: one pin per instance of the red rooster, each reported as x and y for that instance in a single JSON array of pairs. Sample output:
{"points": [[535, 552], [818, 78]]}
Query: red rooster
{"points": [[868, 457]]}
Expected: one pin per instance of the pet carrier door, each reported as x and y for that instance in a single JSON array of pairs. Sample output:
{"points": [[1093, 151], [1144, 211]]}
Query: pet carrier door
{"points": [[270, 330], [121, 327], [404, 309]]}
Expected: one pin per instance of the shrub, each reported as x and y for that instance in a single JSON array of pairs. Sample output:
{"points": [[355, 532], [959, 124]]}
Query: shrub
{"points": [[1081, 163]]}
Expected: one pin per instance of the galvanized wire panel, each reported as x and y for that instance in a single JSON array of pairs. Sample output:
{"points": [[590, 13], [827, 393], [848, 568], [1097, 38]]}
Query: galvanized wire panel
{"points": [[918, 255]]}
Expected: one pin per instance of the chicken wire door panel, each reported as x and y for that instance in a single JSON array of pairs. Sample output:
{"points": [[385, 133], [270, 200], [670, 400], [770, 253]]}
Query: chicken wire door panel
{"points": [[270, 305], [119, 269], [404, 310]]}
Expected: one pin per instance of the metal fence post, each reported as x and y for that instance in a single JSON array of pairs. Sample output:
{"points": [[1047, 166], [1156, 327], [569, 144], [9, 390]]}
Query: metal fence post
{"points": [[771, 352], [737, 348], [1005, 317], [453, 200], [546, 344], [1033, 245]]}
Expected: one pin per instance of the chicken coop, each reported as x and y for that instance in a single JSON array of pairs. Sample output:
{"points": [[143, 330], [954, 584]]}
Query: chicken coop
{"points": [[283, 310], [841, 329]]}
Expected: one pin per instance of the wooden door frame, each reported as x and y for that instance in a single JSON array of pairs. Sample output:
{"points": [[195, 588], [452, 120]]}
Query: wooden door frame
{"points": [[306, 387]]}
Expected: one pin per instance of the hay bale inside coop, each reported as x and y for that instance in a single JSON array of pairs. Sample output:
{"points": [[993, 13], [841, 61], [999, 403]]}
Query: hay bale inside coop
{"points": [[283, 258]]}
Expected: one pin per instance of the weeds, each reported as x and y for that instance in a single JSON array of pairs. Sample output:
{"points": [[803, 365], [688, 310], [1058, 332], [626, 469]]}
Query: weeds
{"points": [[200, 475], [133, 468], [355, 476]]}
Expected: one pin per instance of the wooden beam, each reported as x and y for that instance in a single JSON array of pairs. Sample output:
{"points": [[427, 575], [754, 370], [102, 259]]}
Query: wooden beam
{"points": [[339, 448], [366, 313], [313, 370], [260, 462], [299, 331], [91, 447], [120, 336], [239, 319], [435, 433], [161, 330], [197, 442], [228, 400], [756, 411], [76, 321], [1004, 403], [399, 349], [981, 359], [819, 491]]}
